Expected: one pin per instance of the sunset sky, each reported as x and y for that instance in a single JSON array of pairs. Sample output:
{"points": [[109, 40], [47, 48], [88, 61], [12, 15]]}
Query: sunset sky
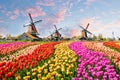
{"points": [[103, 16]]}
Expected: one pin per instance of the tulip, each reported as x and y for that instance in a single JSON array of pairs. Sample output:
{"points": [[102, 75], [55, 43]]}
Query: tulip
{"points": [[93, 61], [39, 76]]}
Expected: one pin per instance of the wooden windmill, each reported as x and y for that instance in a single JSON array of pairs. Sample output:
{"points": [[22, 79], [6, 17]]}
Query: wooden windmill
{"points": [[32, 29], [84, 35], [32, 32], [56, 34]]}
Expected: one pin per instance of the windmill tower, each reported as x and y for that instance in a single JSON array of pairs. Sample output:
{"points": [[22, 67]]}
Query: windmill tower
{"points": [[84, 35], [32, 32]]}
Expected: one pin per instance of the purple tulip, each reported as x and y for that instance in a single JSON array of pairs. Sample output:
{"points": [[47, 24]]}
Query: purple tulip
{"points": [[93, 63], [78, 75]]}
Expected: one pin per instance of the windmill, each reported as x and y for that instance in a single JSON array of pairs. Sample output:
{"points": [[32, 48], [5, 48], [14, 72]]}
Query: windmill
{"points": [[32, 32], [56, 34], [32, 29], [84, 35]]}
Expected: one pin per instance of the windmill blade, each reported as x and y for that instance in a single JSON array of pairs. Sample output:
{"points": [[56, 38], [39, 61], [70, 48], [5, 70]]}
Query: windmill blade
{"points": [[59, 29], [55, 27], [26, 25], [81, 27], [87, 26], [37, 21], [88, 31], [30, 17]]}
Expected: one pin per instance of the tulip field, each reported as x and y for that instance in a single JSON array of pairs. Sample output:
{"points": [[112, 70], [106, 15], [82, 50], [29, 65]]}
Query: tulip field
{"points": [[80, 60]]}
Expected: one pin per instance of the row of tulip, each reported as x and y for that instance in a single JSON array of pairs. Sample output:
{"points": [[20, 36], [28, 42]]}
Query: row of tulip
{"points": [[110, 53], [30, 60], [112, 45], [18, 53], [9, 48], [60, 66], [93, 65]]}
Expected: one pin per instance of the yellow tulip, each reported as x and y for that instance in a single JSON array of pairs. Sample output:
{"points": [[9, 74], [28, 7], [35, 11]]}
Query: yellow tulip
{"points": [[28, 73], [18, 78], [44, 78], [45, 71], [62, 78], [53, 73], [52, 78], [34, 73], [25, 78], [48, 75], [39, 75], [49, 62]]}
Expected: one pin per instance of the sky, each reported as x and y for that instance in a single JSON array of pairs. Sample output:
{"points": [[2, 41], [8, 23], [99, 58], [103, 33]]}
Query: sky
{"points": [[103, 16]]}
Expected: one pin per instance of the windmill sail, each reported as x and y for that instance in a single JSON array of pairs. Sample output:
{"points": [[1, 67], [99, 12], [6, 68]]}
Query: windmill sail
{"points": [[32, 25], [87, 26]]}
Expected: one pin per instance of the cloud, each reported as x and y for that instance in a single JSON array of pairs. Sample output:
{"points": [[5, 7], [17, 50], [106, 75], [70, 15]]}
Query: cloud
{"points": [[88, 2], [1, 20], [81, 10], [46, 3], [35, 11], [75, 32], [16, 12], [12, 14], [58, 17], [2, 30], [85, 21], [117, 22], [78, 0], [13, 17]]}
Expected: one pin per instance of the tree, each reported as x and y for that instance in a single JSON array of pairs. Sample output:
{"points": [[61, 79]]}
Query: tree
{"points": [[8, 36], [100, 37], [94, 37], [1, 36]]}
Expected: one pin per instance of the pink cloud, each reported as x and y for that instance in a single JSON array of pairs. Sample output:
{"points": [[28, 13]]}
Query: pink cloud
{"points": [[88, 2], [46, 3], [35, 11], [117, 22], [78, 0], [58, 17], [75, 32], [1, 20], [81, 10], [84, 22], [16, 12], [13, 17], [2, 31]]}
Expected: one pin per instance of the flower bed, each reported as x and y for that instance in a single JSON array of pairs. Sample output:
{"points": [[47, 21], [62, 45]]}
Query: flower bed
{"points": [[30, 60], [60, 66], [63, 61], [93, 65], [18, 53], [9, 48], [113, 45], [110, 53]]}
